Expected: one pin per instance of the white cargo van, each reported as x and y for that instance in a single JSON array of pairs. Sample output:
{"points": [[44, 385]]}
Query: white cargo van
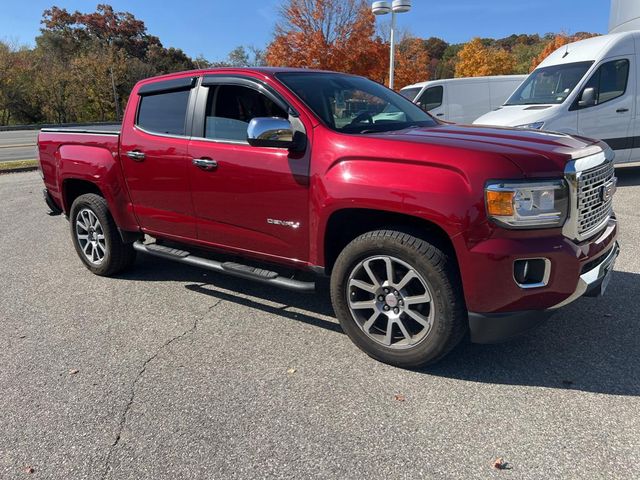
{"points": [[588, 88], [462, 100]]}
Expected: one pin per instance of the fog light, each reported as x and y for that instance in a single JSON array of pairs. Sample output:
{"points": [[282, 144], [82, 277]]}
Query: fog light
{"points": [[532, 272]]}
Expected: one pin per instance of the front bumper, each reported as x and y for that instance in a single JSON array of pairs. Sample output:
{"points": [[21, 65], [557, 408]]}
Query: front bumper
{"points": [[497, 327]]}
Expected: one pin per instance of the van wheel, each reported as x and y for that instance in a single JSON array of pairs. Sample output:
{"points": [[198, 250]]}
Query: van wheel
{"points": [[399, 298], [96, 237]]}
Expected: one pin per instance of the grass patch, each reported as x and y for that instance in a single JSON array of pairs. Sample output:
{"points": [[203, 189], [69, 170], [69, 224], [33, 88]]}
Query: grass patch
{"points": [[18, 165]]}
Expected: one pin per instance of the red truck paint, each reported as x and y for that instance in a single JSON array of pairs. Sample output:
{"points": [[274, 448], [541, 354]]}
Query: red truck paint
{"points": [[436, 174]]}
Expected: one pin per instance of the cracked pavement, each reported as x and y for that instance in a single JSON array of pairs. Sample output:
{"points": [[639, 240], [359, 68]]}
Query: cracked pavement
{"points": [[183, 373]]}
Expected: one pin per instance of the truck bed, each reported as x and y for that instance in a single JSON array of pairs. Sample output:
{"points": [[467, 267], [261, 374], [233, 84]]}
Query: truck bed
{"points": [[79, 154], [93, 129]]}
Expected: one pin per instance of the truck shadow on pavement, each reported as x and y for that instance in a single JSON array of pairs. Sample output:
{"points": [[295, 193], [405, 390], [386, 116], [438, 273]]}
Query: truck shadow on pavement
{"points": [[592, 345], [628, 176]]}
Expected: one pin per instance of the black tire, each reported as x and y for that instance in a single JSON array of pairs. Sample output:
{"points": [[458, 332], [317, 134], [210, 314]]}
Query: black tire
{"points": [[118, 255], [434, 265]]}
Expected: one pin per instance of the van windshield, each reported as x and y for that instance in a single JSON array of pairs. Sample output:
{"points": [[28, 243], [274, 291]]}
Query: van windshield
{"points": [[410, 93], [549, 85]]}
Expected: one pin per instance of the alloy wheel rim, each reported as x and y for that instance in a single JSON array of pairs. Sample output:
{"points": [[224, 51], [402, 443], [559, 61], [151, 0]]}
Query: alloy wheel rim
{"points": [[90, 235], [390, 302]]}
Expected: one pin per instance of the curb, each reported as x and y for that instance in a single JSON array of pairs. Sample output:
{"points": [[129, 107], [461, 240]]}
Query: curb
{"points": [[18, 170]]}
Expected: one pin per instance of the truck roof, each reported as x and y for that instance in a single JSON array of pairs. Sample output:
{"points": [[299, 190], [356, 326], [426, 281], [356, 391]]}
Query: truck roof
{"points": [[268, 71]]}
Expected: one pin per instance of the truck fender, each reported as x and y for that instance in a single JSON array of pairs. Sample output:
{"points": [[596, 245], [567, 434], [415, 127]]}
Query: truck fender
{"points": [[439, 195], [100, 167]]}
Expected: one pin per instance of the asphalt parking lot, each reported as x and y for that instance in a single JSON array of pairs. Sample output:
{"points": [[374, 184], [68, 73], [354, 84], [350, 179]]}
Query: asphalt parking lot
{"points": [[173, 372]]}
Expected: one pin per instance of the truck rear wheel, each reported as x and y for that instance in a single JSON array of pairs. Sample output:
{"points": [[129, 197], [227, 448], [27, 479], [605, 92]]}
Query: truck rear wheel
{"points": [[96, 238], [398, 298]]}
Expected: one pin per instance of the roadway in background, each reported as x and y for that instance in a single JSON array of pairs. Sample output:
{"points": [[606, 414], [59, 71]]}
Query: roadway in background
{"points": [[18, 145]]}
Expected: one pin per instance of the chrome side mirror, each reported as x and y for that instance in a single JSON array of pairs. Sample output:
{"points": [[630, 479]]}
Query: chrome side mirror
{"points": [[270, 132], [588, 98]]}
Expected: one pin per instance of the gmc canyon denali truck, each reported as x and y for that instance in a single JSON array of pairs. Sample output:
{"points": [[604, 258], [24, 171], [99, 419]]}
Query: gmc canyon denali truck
{"points": [[427, 230]]}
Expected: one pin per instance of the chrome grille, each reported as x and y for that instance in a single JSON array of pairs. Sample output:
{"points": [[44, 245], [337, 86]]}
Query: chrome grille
{"points": [[593, 210]]}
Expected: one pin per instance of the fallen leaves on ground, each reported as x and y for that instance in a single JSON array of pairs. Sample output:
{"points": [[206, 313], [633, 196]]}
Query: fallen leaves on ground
{"points": [[291, 371], [399, 397], [29, 469], [500, 464], [73, 371]]}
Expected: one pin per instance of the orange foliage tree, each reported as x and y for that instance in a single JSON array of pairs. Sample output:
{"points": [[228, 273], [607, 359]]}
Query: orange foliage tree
{"points": [[476, 60], [328, 34], [557, 42], [412, 63]]}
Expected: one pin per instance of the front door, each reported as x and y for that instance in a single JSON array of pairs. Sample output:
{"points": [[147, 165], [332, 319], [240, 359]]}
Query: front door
{"points": [[252, 199], [155, 159], [431, 100], [609, 119]]}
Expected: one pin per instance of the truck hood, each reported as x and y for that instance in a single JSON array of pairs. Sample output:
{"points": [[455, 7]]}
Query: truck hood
{"points": [[514, 115], [536, 153]]}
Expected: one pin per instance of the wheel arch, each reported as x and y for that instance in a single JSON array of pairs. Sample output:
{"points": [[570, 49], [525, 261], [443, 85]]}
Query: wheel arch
{"points": [[345, 225], [72, 188]]}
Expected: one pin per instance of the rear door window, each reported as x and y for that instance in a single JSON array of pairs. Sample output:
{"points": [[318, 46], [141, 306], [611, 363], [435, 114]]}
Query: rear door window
{"points": [[164, 112]]}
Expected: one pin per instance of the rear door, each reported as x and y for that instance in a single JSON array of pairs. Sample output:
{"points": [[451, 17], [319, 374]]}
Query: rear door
{"points": [[610, 118], [255, 199], [153, 150]]}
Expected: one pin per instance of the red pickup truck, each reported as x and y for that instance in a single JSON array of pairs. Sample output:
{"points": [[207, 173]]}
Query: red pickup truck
{"points": [[427, 230]]}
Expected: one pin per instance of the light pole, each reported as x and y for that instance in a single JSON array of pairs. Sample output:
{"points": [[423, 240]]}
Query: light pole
{"points": [[382, 8]]}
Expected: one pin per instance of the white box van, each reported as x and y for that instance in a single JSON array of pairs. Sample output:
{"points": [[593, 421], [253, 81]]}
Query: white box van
{"points": [[586, 88], [462, 100]]}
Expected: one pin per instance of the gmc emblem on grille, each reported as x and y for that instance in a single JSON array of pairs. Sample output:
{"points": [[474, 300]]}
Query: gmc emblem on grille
{"points": [[607, 190]]}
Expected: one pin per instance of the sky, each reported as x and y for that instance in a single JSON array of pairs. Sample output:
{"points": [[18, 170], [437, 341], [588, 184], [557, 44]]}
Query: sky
{"points": [[214, 27]]}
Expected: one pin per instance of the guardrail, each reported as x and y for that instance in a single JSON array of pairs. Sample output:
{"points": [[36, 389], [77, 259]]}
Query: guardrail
{"points": [[38, 126]]}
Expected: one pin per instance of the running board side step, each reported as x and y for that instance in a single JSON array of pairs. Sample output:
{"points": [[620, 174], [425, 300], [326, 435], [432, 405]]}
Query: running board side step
{"points": [[230, 268]]}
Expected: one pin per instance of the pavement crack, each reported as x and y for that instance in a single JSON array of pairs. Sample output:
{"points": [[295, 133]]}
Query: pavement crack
{"points": [[123, 417]]}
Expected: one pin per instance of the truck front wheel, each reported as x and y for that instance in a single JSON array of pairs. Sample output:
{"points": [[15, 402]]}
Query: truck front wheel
{"points": [[96, 238], [398, 298]]}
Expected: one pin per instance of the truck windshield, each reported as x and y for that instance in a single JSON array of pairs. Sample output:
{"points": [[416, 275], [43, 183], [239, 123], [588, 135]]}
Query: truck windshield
{"points": [[350, 104], [549, 85]]}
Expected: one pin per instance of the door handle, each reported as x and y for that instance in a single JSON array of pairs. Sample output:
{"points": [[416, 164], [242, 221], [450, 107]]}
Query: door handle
{"points": [[622, 110], [439, 114], [135, 155], [205, 164]]}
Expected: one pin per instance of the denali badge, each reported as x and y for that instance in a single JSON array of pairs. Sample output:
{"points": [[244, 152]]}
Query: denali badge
{"points": [[608, 189], [284, 223]]}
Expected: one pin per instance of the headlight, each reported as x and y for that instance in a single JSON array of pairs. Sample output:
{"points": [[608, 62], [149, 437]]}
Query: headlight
{"points": [[532, 126], [528, 205]]}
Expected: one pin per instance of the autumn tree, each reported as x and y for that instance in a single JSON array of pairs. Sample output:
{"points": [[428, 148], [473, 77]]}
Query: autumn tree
{"points": [[476, 60], [328, 34], [125, 50], [412, 63], [557, 42]]}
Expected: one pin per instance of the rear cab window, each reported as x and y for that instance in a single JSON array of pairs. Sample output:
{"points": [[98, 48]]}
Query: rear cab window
{"points": [[164, 110]]}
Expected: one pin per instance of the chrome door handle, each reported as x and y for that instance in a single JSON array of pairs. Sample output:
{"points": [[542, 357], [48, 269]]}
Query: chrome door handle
{"points": [[205, 163], [135, 155]]}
